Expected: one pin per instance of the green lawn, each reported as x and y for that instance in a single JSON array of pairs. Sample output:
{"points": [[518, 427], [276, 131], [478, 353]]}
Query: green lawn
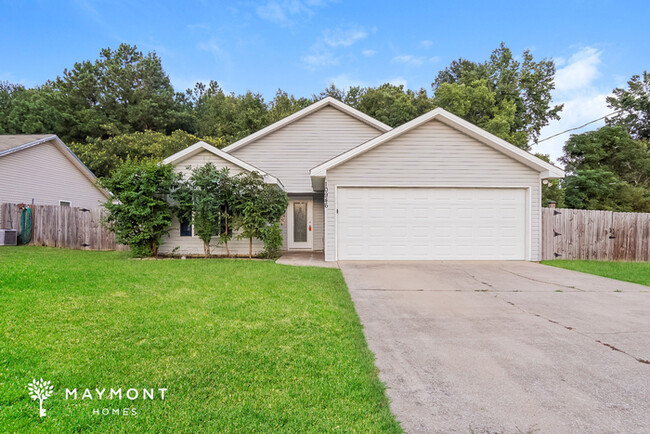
{"points": [[636, 272], [241, 346]]}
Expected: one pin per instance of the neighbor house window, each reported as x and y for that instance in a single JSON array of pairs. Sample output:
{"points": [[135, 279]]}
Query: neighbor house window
{"points": [[186, 228], [65, 203]]}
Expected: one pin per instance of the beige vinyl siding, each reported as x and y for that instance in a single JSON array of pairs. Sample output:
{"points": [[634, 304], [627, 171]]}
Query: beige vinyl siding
{"points": [[202, 158], [46, 175], [290, 152], [433, 154], [193, 245]]}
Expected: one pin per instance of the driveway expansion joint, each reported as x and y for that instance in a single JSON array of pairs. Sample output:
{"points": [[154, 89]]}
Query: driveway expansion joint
{"points": [[541, 281], [611, 347]]}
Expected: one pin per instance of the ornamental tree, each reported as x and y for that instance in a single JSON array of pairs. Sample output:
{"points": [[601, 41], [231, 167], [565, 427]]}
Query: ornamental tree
{"points": [[206, 199], [259, 208]]}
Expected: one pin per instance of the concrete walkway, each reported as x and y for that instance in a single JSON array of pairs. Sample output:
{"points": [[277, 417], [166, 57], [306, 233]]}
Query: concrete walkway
{"points": [[506, 346], [306, 259]]}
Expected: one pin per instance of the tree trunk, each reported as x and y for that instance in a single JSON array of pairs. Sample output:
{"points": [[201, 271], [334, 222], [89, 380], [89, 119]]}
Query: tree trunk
{"points": [[206, 248], [250, 248], [226, 242]]}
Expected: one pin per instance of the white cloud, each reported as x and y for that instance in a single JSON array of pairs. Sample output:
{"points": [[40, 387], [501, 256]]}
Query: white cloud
{"points": [[318, 59], [409, 59], [580, 71], [426, 44], [368, 53], [276, 12], [559, 61], [343, 37], [210, 46], [577, 111], [285, 12], [323, 52], [198, 26], [583, 100]]}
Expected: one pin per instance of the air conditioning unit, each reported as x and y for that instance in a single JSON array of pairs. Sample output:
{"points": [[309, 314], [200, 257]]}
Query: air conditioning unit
{"points": [[8, 237]]}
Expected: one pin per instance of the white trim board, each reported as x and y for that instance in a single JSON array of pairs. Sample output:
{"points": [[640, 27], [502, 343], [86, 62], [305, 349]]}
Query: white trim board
{"points": [[325, 102], [546, 170]]}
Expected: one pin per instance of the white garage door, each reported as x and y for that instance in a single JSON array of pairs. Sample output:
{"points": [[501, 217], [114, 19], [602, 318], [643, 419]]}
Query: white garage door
{"points": [[431, 223]]}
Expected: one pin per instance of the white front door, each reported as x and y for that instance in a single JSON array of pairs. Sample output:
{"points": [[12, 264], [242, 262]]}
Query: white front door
{"points": [[299, 228], [431, 223]]}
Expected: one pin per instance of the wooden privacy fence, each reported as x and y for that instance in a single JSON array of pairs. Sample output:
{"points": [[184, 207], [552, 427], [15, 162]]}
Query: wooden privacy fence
{"points": [[595, 235], [61, 226]]}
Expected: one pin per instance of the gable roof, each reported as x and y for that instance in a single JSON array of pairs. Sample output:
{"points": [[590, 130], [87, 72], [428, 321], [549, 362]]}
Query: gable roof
{"points": [[202, 146], [9, 141], [547, 170], [325, 102], [10, 144]]}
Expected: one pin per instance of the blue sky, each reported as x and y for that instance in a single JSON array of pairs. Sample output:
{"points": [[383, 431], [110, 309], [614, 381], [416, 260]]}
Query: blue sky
{"points": [[302, 45]]}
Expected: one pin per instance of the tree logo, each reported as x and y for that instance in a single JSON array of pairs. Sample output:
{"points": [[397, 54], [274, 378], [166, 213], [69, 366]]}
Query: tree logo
{"points": [[40, 390]]}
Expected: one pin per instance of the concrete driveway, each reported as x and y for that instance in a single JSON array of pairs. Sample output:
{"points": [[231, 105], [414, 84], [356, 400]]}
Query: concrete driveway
{"points": [[506, 346]]}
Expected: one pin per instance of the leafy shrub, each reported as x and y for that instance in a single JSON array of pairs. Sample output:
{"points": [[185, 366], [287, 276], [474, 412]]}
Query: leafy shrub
{"points": [[272, 237], [139, 213]]}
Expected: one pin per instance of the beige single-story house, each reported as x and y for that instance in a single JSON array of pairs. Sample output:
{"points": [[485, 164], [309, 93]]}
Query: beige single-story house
{"points": [[40, 169], [435, 188]]}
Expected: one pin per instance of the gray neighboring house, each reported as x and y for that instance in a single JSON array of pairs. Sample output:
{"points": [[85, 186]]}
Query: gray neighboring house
{"points": [[435, 188], [41, 169]]}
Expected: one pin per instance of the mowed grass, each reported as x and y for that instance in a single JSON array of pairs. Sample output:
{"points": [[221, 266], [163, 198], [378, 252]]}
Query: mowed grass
{"points": [[636, 272], [241, 346]]}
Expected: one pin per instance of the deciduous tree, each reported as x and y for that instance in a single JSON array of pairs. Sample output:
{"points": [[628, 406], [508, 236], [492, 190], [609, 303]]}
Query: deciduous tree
{"points": [[607, 170], [508, 97], [635, 105], [259, 208], [103, 156]]}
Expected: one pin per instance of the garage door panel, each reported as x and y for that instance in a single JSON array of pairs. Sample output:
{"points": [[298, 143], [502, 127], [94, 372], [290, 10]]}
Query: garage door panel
{"points": [[431, 223]]}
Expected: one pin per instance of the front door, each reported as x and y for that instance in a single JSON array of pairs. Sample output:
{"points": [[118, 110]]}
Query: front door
{"points": [[300, 230]]}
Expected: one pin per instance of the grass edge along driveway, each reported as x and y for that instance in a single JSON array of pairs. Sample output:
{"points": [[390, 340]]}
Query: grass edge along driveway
{"points": [[239, 345], [635, 272]]}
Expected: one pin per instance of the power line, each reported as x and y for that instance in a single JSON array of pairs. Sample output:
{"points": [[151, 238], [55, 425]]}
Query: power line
{"points": [[577, 128]]}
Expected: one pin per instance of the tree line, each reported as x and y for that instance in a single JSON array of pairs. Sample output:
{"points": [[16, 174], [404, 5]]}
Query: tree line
{"points": [[110, 107], [122, 107]]}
